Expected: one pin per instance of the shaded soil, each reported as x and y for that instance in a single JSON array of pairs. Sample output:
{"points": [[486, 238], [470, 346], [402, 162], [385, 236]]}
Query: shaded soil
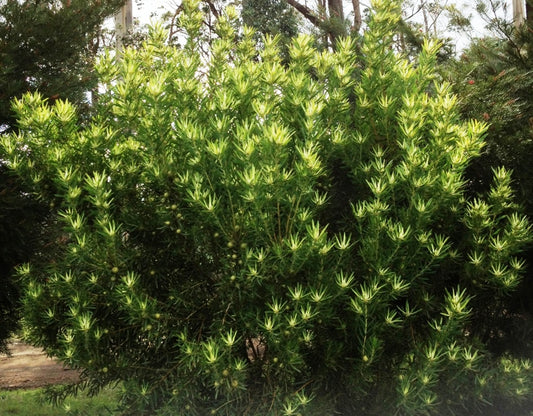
{"points": [[29, 367]]}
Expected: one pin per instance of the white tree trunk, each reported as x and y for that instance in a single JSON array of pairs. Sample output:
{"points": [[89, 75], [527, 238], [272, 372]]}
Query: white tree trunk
{"points": [[519, 14], [123, 22]]}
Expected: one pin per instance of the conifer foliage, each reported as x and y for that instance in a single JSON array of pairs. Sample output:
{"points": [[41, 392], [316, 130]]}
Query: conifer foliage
{"points": [[247, 237]]}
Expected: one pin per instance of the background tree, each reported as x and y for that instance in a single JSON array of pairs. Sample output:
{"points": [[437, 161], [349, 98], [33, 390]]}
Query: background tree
{"points": [[248, 237], [277, 17], [441, 21], [123, 23], [522, 12], [46, 46], [272, 17], [330, 17]]}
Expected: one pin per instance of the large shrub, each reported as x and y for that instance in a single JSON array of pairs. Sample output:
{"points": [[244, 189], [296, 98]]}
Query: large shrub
{"points": [[244, 237]]}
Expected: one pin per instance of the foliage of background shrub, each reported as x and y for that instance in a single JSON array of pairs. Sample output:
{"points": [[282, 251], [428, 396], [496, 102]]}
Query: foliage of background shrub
{"points": [[494, 80], [242, 236], [50, 48], [21, 228]]}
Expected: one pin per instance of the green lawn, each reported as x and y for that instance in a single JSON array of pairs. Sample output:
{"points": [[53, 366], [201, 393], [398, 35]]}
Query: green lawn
{"points": [[32, 403]]}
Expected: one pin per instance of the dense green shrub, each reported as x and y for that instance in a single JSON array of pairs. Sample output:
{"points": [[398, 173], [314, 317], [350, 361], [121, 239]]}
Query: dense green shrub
{"points": [[244, 237]]}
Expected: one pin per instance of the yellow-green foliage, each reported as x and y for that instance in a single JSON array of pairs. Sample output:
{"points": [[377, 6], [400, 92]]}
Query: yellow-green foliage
{"points": [[245, 236]]}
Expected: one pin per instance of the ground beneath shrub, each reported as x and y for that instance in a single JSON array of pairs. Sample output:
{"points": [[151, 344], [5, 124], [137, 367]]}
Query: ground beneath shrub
{"points": [[28, 367]]}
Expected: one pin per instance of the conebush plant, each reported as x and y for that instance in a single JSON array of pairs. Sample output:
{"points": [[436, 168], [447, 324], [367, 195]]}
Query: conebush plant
{"points": [[248, 236]]}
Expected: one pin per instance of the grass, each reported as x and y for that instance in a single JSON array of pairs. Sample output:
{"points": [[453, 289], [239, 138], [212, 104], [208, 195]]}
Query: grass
{"points": [[32, 403]]}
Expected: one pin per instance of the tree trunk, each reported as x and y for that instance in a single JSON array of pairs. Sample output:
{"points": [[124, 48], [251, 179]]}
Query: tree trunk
{"points": [[123, 22], [336, 21], [333, 25], [336, 11], [529, 14], [357, 19], [306, 12], [519, 14]]}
